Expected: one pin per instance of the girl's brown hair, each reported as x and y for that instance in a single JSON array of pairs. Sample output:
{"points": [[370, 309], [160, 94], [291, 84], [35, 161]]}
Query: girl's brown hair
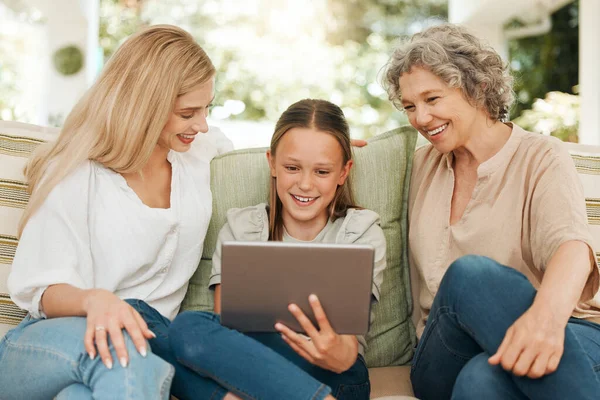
{"points": [[323, 116]]}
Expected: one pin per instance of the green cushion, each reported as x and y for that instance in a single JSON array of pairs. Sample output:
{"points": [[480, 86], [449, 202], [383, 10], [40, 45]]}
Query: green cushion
{"points": [[381, 177]]}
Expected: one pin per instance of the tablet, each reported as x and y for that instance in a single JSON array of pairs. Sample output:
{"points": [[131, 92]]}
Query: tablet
{"points": [[260, 279]]}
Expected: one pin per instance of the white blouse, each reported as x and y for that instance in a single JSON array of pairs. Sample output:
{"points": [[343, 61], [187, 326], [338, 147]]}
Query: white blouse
{"points": [[93, 231]]}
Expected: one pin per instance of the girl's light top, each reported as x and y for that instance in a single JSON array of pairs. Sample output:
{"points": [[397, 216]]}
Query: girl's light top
{"points": [[357, 227]]}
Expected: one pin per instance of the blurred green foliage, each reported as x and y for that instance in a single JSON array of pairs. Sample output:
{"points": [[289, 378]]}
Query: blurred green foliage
{"points": [[557, 114], [68, 60], [546, 63], [271, 53]]}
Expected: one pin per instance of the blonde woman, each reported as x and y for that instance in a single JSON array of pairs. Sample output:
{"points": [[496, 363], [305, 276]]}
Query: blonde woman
{"points": [[119, 207], [498, 234]]}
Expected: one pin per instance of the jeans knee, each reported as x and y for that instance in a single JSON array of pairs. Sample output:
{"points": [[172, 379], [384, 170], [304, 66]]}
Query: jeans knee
{"points": [[480, 380], [141, 366], [477, 274], [190, 334], [75, 391], [139, 305], [471, 267]]}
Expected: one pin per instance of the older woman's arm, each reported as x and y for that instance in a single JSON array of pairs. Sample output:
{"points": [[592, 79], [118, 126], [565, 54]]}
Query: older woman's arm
{"points": [[533, 345]]}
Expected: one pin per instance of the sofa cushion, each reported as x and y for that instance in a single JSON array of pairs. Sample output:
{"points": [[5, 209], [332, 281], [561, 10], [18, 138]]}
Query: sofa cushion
{"points": [[17, 141], [587, 162], [391, 383], [380, 176]]}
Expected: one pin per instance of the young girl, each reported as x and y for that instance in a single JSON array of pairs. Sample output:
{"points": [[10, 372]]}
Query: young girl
{"points": [[310, 201]]}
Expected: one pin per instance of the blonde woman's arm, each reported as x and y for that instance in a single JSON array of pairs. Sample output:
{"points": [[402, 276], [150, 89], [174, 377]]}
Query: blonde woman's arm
{"points": [[53, 275]]}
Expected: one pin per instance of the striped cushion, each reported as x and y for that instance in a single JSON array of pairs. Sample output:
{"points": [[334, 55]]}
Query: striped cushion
{"points": [[587, 162], [17, 141]]}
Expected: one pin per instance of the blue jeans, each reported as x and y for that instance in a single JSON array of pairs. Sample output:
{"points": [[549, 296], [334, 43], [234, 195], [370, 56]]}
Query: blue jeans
{"points": [[477, 301], [44, 358], [257, 366]]}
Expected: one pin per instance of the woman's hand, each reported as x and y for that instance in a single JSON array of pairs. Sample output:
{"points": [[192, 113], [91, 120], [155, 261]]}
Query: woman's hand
{"points": [[325, 348], [533, 345], [358, 142], [107, 315]]}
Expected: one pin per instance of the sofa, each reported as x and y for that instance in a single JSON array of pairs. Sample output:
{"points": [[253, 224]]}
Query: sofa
{"points": [[240, 178]]}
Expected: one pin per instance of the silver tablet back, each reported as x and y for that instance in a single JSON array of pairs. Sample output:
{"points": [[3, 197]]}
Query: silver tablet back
{"points": [[260, 279]]}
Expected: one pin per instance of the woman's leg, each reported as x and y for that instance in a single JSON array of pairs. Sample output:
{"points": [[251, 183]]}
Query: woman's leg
{"points": [[40, 357], [477, 301], [237, 362], [352, 384], [76, 391], [186, 383], [480, 380]]}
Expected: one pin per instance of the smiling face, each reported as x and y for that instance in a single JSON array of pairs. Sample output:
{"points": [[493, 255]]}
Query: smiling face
{"points": [[439, 112], [187, 118], [308, 167]]}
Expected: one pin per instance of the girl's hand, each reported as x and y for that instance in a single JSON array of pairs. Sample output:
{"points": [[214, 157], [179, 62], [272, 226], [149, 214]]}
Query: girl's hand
{"points": [[107, 315], [325, 348], [533, 345]]}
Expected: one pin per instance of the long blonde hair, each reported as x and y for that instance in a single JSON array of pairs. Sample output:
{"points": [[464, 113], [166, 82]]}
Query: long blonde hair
{"points": [[119, 119], [326, 117]]}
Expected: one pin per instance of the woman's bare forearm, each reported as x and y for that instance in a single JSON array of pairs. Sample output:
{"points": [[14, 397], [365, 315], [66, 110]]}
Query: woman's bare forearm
{"points": [[63, 300], [564, 280]]}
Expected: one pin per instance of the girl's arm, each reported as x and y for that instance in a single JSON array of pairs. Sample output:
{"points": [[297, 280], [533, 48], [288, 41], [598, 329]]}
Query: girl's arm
{"points": [[217, 298], [533, 345]]}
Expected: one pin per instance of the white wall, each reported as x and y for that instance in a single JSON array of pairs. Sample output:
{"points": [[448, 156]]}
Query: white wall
{"points": [[66, 23], [589, 71]]}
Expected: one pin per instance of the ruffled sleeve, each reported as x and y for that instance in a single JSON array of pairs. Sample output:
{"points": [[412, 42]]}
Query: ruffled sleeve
{"points": [[362, 227], [54, 247], [250, 224]]}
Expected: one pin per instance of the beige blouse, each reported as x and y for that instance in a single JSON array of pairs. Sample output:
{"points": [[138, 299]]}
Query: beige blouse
{"points": [[527, 201]]}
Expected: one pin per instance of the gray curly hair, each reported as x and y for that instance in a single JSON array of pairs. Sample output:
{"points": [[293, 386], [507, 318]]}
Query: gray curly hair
{"points": [[461, 60]]}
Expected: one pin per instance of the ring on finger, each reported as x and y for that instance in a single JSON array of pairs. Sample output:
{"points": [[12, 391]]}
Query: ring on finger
{"points": [[100, 328]]}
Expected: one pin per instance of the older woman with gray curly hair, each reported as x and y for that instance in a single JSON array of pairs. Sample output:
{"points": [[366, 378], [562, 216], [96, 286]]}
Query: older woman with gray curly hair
{"points": [[498, 235]]}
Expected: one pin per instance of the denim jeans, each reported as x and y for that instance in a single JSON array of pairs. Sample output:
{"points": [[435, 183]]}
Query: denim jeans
{"points": [[257, 366], [186, 383], [477, 301], [41, 358]]}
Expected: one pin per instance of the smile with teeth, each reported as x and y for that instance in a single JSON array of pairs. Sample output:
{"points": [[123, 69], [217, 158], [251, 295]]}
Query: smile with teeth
{"points": [[437, 130], [303, 199], [186, 136]]}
